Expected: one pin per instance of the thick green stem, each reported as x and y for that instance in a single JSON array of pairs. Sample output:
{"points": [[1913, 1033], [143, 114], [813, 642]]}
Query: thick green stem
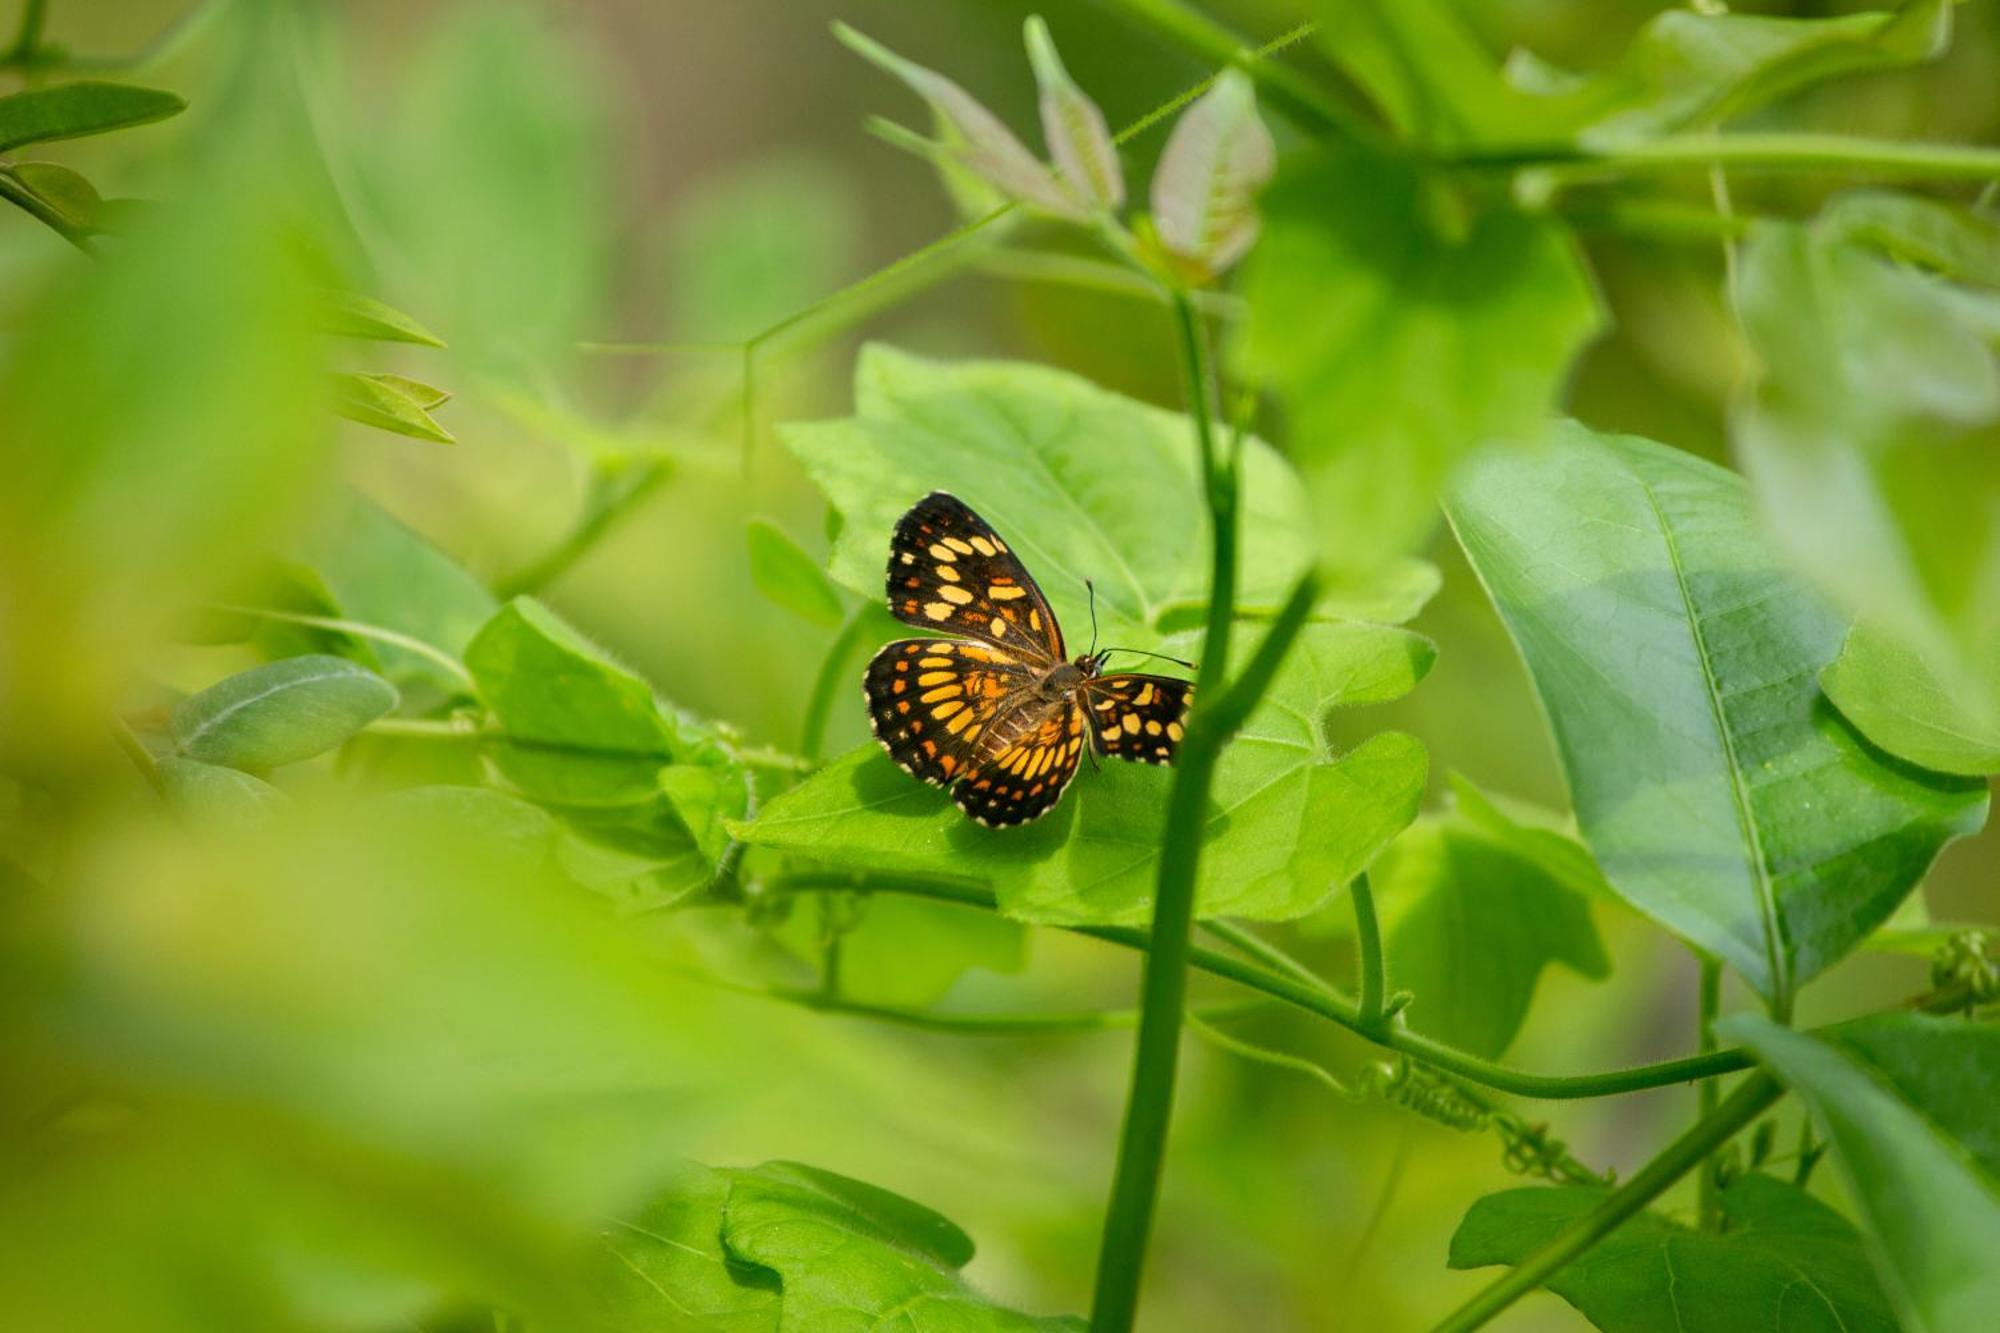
{"points": [[1683, 1155], [1368, 939], [1708, 1092]]}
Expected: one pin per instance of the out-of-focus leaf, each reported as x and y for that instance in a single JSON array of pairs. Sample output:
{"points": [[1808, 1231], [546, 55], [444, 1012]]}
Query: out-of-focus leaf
{"points": [[73, 198], [979, 141], [1907, 1101], [1873, 442], [1082, 483], [906, 951], [1397, 347], [391, 403], [1205, 187], [1472, 923], [1784, 1260], [1533, 837], [1958, 242], [789, 577], [845, 1251], [1897, 701], [1291, 818], [280, 713], [72, 110], [1077, 138], [1678, 665], [210, 791], [352, 315]]}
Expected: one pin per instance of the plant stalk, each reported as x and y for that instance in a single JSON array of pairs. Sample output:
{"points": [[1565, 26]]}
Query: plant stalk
{"points": [[1368, 937], [1685, 1153], [1708, 1092]]}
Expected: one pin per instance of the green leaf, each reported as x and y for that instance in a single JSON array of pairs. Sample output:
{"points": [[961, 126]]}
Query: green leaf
{"points": [[850, 1254], [907, 951], [1532, 836], [280, 713], [1678, 666], [1907, 1101], [212, 792], [1783, 1261], [72, 110], [392, 403], [1084, 153], [789, 577], [1472, 923], [1873, 443], [352, 315], [1953, 240], [665, 1266], [1205, 187], [73, 198], [1292, 818], [1895, 699], [1360, 291], [1084, 484]]}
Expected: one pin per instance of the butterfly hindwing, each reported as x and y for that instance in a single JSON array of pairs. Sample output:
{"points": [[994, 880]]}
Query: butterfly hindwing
{"points": [[949, 573], [930, 702], [1024, 778], [1138, 716]]}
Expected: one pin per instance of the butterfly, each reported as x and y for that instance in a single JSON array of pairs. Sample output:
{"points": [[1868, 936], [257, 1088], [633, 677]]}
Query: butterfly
{"points": [[998, 712]]}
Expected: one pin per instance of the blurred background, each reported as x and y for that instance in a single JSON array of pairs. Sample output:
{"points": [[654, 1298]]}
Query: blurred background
{"points": [[595, 204]]}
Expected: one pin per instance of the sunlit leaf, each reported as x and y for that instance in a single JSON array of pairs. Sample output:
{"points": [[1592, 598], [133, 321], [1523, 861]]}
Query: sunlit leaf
{"points": [[1898, 701], [1205, 187], [355, 316], [1074, 128], [391, 403], [1291, 817], [1784, 1260], [789, 577], [1397, 345], [1678, 664], [665, 1267], [1908, 1101], [72, 110], [280, 713]]}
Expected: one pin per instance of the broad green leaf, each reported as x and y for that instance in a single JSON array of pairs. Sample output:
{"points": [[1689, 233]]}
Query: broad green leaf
{"points": [[977, 140], [906, 951], [1078, 141], [1907, 1101], [1678, 665], [1896, 700], [1471, 924], [1291, 819], [1873, 442], [391, 403], [1532, 835], [851, 1256], [789, 577], [72, 197], [210, 791], [1205, 187], [1958, 242], [72, 110], [280, 713], [1082, 483], [1783, 1261], [665, 1269], [1398, 345], [352, 315]]}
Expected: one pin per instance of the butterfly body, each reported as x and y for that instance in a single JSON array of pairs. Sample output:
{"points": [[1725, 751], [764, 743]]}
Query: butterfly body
{"points": [[999, 713]]}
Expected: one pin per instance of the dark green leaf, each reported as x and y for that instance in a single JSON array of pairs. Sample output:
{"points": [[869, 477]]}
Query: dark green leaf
{"points": [[1720, 792], [391, 403], [1472, 923], [1784, 1261], [1907, 1101], [1362, 290], [280, 713], [1897, 700], [789, 577], [72, 198], [72, 110], [1292, 818], [355, 316], [210, 791]]}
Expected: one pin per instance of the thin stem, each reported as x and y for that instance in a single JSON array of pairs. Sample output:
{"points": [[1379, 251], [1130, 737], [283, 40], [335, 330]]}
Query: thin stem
{"points": [[358, 628], [1368, 935], [1261, 949], [1683, 1155], [1708, 1092], [606, 511], [1756, 152], [1264, 1055], [28, 37], [831, 679], [135, 750], [1094, 275], [1073, 1022]]}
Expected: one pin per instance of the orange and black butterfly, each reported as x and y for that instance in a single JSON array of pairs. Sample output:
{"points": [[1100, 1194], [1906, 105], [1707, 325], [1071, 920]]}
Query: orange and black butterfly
{"points": [[998, 713]]}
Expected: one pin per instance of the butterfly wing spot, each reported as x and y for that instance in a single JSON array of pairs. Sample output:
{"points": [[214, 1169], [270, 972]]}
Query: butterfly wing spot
{"points": [[1138, 716], [950, 573], [961, 685]]}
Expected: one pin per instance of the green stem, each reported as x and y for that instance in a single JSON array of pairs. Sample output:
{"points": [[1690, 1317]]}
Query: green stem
{"points": [[1368, 936], [1264, 1055], [360, 629], [1744, 1105], [832, 678], [1316, 997], [624, 495], [135, 750], [1708, 1092], [1064, 1023], [1766, 152], [28, 37], [1265, 952]]}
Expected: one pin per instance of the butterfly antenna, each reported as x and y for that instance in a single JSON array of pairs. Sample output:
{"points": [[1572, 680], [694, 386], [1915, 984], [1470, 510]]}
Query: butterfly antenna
{"points": [[1091, 588], [1144, 653]]}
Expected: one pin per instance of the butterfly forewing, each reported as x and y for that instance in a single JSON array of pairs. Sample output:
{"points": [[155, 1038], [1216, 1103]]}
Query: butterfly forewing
{"points": [[950, 573], [1023, 779], [1137, 716], [931, 702]]}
